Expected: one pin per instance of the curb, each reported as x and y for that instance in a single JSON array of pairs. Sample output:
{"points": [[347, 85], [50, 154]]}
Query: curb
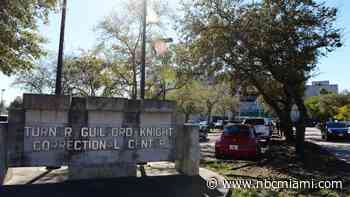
{"points": [[220, 190]]}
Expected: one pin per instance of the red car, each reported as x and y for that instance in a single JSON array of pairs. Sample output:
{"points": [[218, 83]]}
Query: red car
{"points": [[237, 141]]}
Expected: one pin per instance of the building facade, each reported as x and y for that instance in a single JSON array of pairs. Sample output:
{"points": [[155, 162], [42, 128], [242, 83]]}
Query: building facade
{"points": [[316, 88]]}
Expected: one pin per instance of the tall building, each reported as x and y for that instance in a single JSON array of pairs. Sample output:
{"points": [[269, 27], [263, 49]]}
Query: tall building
{"points": [[317, 87], [249, 106]]}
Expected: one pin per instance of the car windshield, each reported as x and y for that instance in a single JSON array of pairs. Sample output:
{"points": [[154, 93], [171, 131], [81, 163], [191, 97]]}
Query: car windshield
{"points": [[336, 125], [233, 129], [255, 121]]}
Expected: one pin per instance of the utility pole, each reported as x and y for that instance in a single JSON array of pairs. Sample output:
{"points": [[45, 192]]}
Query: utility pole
{"points": [[143, 68], [2, 95], [2, 101], [58, 90], [143, 55]]}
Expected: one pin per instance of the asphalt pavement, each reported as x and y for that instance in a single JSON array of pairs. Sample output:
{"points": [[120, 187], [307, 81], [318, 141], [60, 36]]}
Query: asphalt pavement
{"points": [[161, 179], [207, 147], [339, 148]]}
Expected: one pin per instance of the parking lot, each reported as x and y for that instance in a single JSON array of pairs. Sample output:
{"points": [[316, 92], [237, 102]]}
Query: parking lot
{"points": [[339, 148]]}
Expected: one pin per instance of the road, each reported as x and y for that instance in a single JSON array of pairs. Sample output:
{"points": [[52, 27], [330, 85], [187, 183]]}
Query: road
{"points": [[340, 149], [207, 147]]}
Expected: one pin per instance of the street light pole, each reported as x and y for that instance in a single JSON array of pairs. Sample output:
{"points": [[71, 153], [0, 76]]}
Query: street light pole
{"points": [[58, 90], [2, 95], [143, 68], [2, 101], [143, 55]]}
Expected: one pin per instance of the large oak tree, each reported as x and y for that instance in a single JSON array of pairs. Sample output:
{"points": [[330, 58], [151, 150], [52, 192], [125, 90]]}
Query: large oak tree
{"points": [[19, 37], [272, 44]]}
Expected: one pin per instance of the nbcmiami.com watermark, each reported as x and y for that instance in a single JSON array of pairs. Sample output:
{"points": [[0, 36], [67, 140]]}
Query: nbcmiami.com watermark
{"points": [[214, 183]]}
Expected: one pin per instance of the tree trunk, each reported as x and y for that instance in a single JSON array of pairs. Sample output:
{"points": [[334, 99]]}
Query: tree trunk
{"points": [[164, 90], [134, 88], [300, 128], [286, 126], [209, 115], [187, 116]]}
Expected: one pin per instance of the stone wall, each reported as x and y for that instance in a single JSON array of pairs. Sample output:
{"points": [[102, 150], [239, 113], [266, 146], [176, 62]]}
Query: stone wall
{"points": [[45, 111], [15, 137], [188, 150]]}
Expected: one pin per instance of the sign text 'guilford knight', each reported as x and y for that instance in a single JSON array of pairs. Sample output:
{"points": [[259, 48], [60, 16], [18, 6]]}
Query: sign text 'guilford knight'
{"points": [[45, 139]]}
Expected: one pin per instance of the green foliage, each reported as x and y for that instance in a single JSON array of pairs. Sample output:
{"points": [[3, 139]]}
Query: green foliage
{"points": [[343, 113], [38, 80], [19, 38], [167, 73], [121, 32], [16, 104], [273, 45], [313, 106], [329, 106], [187, 99], [324, 91], [85, 75]]}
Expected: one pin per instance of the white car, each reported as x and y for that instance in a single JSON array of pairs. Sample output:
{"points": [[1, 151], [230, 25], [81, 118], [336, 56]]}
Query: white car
{"points": [[219, 124], [261, 129]]}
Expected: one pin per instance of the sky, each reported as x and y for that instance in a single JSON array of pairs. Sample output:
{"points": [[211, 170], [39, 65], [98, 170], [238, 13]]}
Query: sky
{"points": [[84, 15]]}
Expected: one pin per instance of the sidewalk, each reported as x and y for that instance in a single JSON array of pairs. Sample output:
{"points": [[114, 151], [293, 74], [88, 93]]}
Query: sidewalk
{"points": [[164, 170]]}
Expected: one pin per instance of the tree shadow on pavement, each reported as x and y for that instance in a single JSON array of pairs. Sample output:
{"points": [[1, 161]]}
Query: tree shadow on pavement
{"points": [[317, 164], [170, 186]]}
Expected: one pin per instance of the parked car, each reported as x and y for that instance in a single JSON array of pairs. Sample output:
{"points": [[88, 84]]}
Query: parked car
{"points": [[203, 123], [270, 123], [309, 122], [335, 130], [219, 124], [203, 130], [3, 118], [260, 126], [203, 135], [237, 140]]}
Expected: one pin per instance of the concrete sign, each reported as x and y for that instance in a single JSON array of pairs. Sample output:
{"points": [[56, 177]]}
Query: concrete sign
{"points": [[92, 131], [96, 137]]}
